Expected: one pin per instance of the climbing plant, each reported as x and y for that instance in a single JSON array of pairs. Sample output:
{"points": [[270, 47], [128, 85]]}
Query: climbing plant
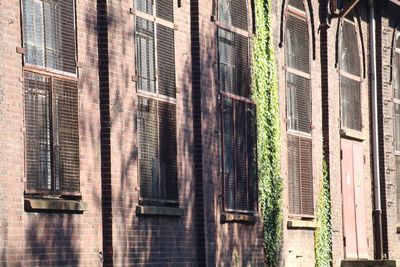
{"points": [[323, 233], [265, 94]]}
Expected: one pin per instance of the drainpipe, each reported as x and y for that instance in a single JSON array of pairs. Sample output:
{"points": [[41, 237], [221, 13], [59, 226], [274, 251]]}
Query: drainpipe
{"points": [[377, 213]]}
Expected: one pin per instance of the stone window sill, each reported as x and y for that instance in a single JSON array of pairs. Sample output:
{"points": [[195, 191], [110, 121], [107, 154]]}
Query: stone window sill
{"points": [[353, 134], [237, 218], [159, 211], [302, 224], [398, 228], [54, 205]]}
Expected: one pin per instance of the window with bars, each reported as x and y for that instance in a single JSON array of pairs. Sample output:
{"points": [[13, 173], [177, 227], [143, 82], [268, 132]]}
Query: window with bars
{"points": [[396, 117], [350, 76], [238, 112], [299, 110], [51, 97], [49, 34], [155, 68]]}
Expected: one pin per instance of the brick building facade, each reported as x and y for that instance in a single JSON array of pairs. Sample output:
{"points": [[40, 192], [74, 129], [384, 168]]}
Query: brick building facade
{"points": [[128, 131]]}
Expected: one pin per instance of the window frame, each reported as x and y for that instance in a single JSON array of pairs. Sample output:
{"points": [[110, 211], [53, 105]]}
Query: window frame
{"points": [[345, 74], [224, 26], [52, 74], [304, 16], [156, 96]]}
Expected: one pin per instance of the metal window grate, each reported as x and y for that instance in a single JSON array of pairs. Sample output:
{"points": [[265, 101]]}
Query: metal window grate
{"points": [[297, 4], [157, 150], [350, 99], [52, 133], [234, 69], [301, 195], [239, 154], [350, 56], [298, 103], [297, 44], [49, 34], [165, 9], [66, 135], [166, 61]]}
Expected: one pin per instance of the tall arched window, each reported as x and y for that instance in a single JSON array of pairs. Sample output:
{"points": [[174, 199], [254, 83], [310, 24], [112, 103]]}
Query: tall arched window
{"points": [[396, 110], [298, 110], [350, 76], [238, 142]]}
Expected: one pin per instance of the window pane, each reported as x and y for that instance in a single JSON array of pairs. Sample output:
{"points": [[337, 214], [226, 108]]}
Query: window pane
{"points": [[233, 12], [33, 32], [145, 55], [149, 164], [52, 31], [224, 11], [37, 122], [398, 186], [298, 103], [297, 44], [226, 61], [350, 98], [396, 75], [144, 6]]}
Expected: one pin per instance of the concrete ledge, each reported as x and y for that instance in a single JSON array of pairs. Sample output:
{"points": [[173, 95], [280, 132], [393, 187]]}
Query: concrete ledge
{"points": [[160, 211], [50, 204], [368, 263], [238, 218], [301, 224], [353, 134]]}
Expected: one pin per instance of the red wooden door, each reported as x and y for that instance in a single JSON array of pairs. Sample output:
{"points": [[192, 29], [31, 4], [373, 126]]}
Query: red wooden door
{"points": [[354, 227]]}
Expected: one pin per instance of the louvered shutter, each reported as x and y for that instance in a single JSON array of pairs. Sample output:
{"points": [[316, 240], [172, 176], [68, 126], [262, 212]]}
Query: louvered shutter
{"points": [[297, 4], [37, 121], [148, 148], [166, 61], [168, 150], [165, 9], [66, 24], [242, 66], [297, 44], [145, 50], [350, 57], [229, 152], [350, 95], [300, 175], [239, 14], [298, 103], [66, 135]]}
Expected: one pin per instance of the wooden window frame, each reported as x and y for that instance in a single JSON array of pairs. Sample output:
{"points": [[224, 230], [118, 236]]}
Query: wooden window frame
{"points": [[301, 15], [221, 25], [155, 96], [62, 76]]}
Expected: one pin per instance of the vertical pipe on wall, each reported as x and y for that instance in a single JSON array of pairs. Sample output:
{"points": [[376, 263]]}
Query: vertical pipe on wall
{"points": [[377, 213]]}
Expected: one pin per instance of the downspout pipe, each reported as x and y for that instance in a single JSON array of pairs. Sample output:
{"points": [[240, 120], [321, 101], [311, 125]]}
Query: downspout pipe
{"points": [[377, 213]]}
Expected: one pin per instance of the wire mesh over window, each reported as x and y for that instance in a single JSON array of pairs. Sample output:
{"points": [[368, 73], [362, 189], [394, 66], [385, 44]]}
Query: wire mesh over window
{"points": [[298, 103], [157, 150], [49, 34], [349, 55], [52, 134], [239, 154], [297, 4], [350, 100], [166, 61], [301, 200], [234, 69], [234, 13], [297, 44]]}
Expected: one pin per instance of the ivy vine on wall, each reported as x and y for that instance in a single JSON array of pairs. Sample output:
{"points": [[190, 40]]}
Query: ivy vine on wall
{"points": [[265, 94]]}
